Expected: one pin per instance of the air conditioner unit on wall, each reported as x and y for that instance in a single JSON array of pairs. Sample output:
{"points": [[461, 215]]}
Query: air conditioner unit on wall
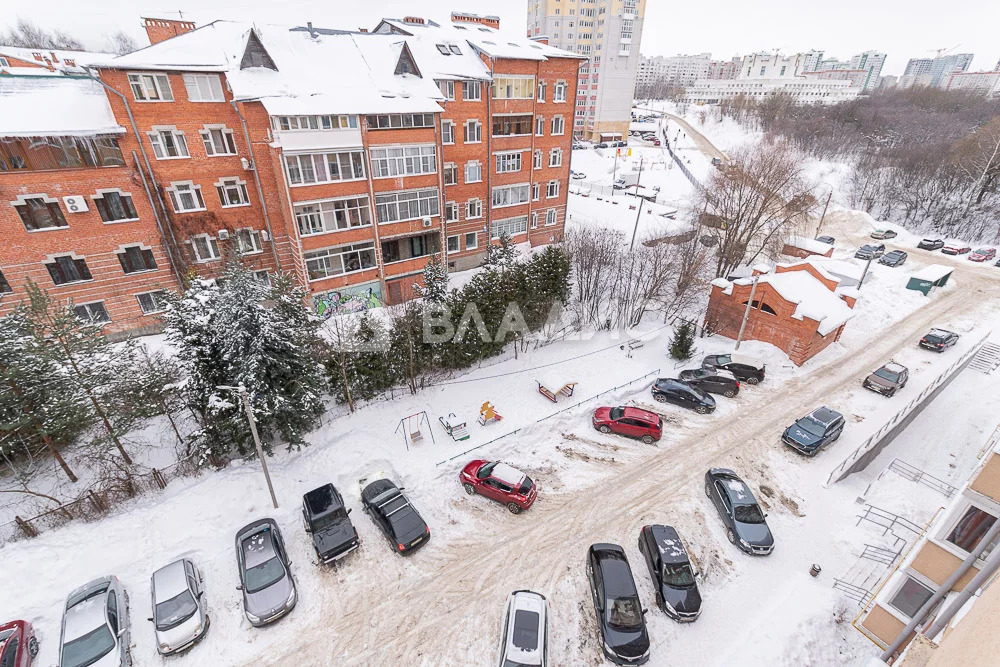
{"points": [[76, 203], [223, 234], [264, 236], [427, 221]]}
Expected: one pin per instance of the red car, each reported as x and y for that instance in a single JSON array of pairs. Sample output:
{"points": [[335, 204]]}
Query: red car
{"points": [[500, 482], [18, 646], [632, 422], [983, 255], [955, 249]]}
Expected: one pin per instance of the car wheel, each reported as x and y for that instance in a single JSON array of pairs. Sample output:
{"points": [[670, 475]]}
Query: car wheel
{"points": [[33, 647], [660, 398], [731, 535], [604, 428], [753, 380], [729, 393], [514, 508], [648, 439], [469, 489], [701, 409]]}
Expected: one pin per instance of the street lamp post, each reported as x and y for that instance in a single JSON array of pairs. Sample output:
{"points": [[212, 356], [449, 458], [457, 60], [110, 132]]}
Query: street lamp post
{"points": [[746, 313], [245, 400]]}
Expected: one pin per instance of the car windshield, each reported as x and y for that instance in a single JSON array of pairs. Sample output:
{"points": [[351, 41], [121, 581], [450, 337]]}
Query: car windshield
{"points": [[722, 360], [616, 413], [748, 514], [175, 611], [525, 634], [933, 338], [811, 426], [88, 649], [886, 374], [329, 519], [678, 576], [625, 613], [485, 471], [526, 485], [266, 574]]}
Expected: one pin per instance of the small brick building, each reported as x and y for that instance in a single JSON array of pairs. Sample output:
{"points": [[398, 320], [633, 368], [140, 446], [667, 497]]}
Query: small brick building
{"points": [[798, 308], [802, 248]]}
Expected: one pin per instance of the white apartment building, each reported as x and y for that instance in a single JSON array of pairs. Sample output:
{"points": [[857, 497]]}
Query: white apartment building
{"points": [[608, 33], [871, 62], [772, 66], [940, 68], [857, 77], [680, 71], [984, 83], [801, 89]]}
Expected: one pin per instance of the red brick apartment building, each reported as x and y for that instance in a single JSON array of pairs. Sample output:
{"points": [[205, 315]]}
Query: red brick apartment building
{"points": [[344, 159]]}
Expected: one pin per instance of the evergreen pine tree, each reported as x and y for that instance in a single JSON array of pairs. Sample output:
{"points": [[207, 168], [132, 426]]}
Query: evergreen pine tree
{"points": [[435, 287], [682, 343], [501, 255]]}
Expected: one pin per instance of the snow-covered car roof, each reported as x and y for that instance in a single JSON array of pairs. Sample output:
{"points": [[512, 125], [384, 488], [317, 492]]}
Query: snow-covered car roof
{"points": [[169, 581], [507, 474]]}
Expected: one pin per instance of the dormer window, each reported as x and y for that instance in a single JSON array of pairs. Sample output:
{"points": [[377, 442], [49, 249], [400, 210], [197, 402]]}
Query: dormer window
{"points": [[454, 49], [443, 48]]}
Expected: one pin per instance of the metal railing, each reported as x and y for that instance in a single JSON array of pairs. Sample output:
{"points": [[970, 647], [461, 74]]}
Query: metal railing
{"points": [[888, 521], [680, 163], [914, 474]]}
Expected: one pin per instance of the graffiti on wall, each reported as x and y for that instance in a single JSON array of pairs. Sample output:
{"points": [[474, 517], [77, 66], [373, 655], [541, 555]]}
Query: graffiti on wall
{"points": [[348, 300]]}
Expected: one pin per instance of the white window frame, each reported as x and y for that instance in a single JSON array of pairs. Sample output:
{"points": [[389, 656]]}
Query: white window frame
{"points": [[552, 189], [399, 161], [228, 140], [245, 237], [450, 168], [555, 157], [967, 503], [142, 83], [541, 90], [155, 136], [537, 159], [162, 304], [513, 87], [447, 89], [551, 217], [539, 126], [473, 85], [356, 158], [511, 195], [211, 243], [451, 211], [225, 187], [100, 195], [263, 276], [458, 243], [560, 122], [477, 132], [534, 219], [513, 226], [91, 320], [323, 253], [447, 132], [478, 167], [421, 198], [475, 240], [206, 87], [177, 187], [559, 91], [474, 209], [327, 214], [904, 575], [536, 191], [508, 162]]}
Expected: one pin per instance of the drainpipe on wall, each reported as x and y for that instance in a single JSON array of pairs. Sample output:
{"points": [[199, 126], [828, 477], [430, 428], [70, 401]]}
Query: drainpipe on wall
{"points": [[149, 195], [260, 189], [488, 131]]}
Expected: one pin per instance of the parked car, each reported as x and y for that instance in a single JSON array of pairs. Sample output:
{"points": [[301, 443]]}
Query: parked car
{"points": [[265, 578], [717, 162], [983, 254], [746, 368], [180, 614], [620, 616], [826, 239], [619, 144], [601, 145], [577, 174], [18, 646], [815, 431], [955, 249], [500, 482], [893, 258], [96, 628], [619, 184], [870, 251], [579, 146], [674, 578], [325, 517], [888, 379], [398, 520], [656, 142], [884, 234], [633, 422], [524, 635], [678, 392], [998, 263], [931, 244], [938, 340], [712, 380], [746, 525], [649, 194]]}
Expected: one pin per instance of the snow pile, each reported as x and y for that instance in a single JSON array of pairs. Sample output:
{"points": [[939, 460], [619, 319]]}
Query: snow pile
{"points": [[812, 245], [814, 299], [933, 272]]}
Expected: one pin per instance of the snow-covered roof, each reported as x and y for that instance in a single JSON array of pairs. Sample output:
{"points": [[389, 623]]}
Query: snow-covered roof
{"points": [[50, 106], [79, 58], [761, 268], [812, 245], [724, 285], [814, 300], [933, 272], [424, 45], [508, 474], [833, 269]]}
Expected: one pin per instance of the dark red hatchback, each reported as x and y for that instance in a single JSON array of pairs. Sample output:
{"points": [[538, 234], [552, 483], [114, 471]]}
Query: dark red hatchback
{"points": [[18, 646], [500, 482], [633, 422]]}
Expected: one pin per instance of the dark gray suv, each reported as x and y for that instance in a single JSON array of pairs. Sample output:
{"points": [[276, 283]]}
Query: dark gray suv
{"points": [[814, 431], [887, 380]]}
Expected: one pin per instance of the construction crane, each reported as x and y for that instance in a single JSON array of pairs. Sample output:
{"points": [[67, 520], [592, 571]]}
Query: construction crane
{"points": [[940, 52]]}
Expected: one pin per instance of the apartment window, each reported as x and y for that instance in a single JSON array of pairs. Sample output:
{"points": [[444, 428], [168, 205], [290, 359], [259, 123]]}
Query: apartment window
{"points": [[473, 171], [453, 243], [473, 132], [970, 530], [185, 196], [510, 195], [537, 159], [232, 192], [114, 206], [910, 597], [407, 205], [205, 248], [513, 87], [343, 259], [5, 287], [541, 91], [558, 125], [67, 269], [150, 87], [333, 215], [4, 62], [473, 209], [324, 122], [218, 140], [536, 189], [472, 91], [263, 277], [450, 174], [447, 89], [135, 258], [552, 189], [551, 217], [152, 302], [534, 220], [508, 162], [168, 143], [95, 313], [396, 120], [247, 241], [447, 132], [204, 88], [512, 226], [540, 126], [393, 161], [325, 167], [471, 240], [39, 212], [555, 157], [559, 92], [511, 126], [450, 211]]}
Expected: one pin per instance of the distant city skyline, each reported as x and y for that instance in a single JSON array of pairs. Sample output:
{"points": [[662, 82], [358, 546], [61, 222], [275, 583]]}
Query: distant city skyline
{"points": [[901, 29]]}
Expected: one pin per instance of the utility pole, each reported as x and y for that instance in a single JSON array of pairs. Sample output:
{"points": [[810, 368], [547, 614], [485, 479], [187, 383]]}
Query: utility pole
{"points": [[614, 172], [641, 203], [746, 313], [245, 399], [823, 217], [865, 272]]}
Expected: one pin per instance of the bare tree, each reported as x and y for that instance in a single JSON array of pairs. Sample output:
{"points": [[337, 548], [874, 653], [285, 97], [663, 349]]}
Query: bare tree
{"points": [[27, 34], [978, 158], [121, 42]]}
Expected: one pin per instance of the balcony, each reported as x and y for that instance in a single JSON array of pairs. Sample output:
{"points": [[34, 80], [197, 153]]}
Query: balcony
{"points": [[45, 153], [410, 253]]}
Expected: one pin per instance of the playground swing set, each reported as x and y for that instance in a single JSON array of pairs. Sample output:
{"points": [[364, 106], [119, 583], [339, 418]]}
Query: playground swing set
{"points": [[411, 428]]}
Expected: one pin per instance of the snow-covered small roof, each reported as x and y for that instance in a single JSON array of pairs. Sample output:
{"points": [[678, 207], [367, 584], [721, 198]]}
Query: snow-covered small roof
{"points": [[814, 300], [833, 269], [424, 44], [52, 106], [933, 272], [507, 474], [812, 245], [724, 285], [78, 58], [761, 268]]}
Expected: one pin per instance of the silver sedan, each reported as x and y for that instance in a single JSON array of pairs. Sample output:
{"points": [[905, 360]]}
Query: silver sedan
{"points": [[180, 614]]}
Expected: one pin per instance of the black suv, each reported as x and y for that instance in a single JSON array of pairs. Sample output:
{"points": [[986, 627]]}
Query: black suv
{"points": [[745, 523], [620, 616], [325, 517], [395, 516], [893, 258], [938, 340], [666, 390], [887, 380], [670, 569], [746, 369], [826, 239], [712, 380], [931, 244], [814, 431], [870, 251]]}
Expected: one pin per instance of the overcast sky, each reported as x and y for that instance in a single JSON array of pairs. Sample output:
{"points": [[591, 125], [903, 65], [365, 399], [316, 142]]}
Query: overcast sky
{"points": [[902, 29]]}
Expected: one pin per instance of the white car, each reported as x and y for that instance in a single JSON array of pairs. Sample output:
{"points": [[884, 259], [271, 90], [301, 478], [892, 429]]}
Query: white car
{"points": [[524, 636], [180, 617]]}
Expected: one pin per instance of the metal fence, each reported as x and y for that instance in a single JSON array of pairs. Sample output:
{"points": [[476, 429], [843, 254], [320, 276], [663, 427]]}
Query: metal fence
{"points": [[914, 474], [680, 163]]}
